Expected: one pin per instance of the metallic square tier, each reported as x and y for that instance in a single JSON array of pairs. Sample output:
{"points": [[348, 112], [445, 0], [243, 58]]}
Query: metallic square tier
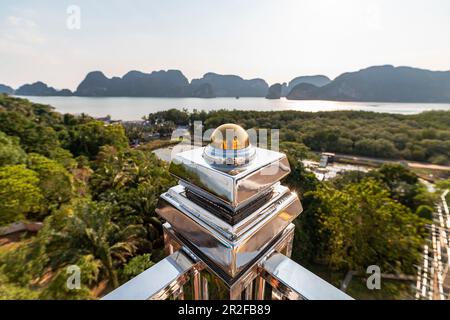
{"points": [[231, 247], [235, 188]]}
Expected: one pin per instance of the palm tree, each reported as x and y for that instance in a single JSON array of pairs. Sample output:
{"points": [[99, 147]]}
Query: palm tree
{"points": [[132, 180], [87, 228]]}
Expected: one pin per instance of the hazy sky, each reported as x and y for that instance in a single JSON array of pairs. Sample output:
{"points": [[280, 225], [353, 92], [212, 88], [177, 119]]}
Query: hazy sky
{"points": [[273, 39]]}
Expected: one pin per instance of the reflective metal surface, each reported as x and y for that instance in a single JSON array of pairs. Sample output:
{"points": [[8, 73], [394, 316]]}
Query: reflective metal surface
{"points": [[293, 282], [229, 160], [231, 248], [234, 188], [184, 276], [215, 285], [230, 148], [159, 282], [230, 136], [228, 233]]}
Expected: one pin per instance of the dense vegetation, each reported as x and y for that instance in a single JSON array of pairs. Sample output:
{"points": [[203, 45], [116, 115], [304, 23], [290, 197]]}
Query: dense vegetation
{"points": [[357, 219], [422, 137], [96, 196], [360, 219]]}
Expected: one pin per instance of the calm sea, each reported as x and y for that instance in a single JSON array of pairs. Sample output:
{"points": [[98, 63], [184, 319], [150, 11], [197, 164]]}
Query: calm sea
{"points": [[136, 108]]}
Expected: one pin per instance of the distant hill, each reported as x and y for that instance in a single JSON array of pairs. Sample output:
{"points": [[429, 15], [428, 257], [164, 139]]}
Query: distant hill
{"points": [[286, 88], [318, 81], [204, 90], [382, 84], [232, 86], [41, 89], [171, 83], [303, 91], [6, 89], [275, 91], [379, 83]]}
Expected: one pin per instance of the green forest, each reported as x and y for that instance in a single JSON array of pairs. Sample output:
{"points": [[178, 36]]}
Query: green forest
{"points": [[423, 137], [96, 194]]}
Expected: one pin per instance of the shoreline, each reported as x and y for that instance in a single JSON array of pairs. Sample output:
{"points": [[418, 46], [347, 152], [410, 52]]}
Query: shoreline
{"points": [[133, 109]]}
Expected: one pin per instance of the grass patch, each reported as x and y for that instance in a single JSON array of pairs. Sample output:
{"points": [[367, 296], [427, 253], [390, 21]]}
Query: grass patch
{"points": [[390, 290], [158, 144], [431, 174]]}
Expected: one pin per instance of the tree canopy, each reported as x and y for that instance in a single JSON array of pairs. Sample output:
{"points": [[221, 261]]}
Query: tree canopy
{"points": [[94, 194], [362, 226], [421, 137], [10, 151], [19, 193]]}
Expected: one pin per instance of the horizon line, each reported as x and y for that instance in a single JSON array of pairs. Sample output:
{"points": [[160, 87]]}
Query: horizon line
{"points": [[108, 76]]}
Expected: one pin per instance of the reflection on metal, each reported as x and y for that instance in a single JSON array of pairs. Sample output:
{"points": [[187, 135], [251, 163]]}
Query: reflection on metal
{"points": [[232, 248], [230, 136], [163, 280], [229, 148], [260, 288], [235, 188], [229, 229], [294, 282], [433, 276], [216, 283]]}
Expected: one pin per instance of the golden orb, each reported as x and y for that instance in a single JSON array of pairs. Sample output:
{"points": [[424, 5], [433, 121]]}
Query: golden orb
{"points": [[230, 148], [230, 137]]}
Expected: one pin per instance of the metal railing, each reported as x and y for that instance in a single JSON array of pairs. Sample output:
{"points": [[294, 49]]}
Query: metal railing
{"points": [[293, 282], [279, 278], [433, 275], [162, 281]]}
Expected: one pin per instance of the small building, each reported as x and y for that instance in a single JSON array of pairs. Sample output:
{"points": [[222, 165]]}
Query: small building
{"points": [[331, 156]]}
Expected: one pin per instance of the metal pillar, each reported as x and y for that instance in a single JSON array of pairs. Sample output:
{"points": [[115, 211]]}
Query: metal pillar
{"points": [[232, 218]]}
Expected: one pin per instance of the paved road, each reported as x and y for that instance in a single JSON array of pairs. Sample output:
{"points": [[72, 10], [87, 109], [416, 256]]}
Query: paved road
{"points": [[418, 165]]}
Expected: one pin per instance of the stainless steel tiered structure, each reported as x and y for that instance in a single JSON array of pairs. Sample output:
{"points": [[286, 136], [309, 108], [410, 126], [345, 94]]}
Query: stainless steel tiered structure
{"points": [[228, 231]]}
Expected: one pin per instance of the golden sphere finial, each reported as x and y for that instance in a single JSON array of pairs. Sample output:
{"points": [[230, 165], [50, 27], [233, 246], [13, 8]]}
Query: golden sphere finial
{"points": [[229, 148], [230, 137]]}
